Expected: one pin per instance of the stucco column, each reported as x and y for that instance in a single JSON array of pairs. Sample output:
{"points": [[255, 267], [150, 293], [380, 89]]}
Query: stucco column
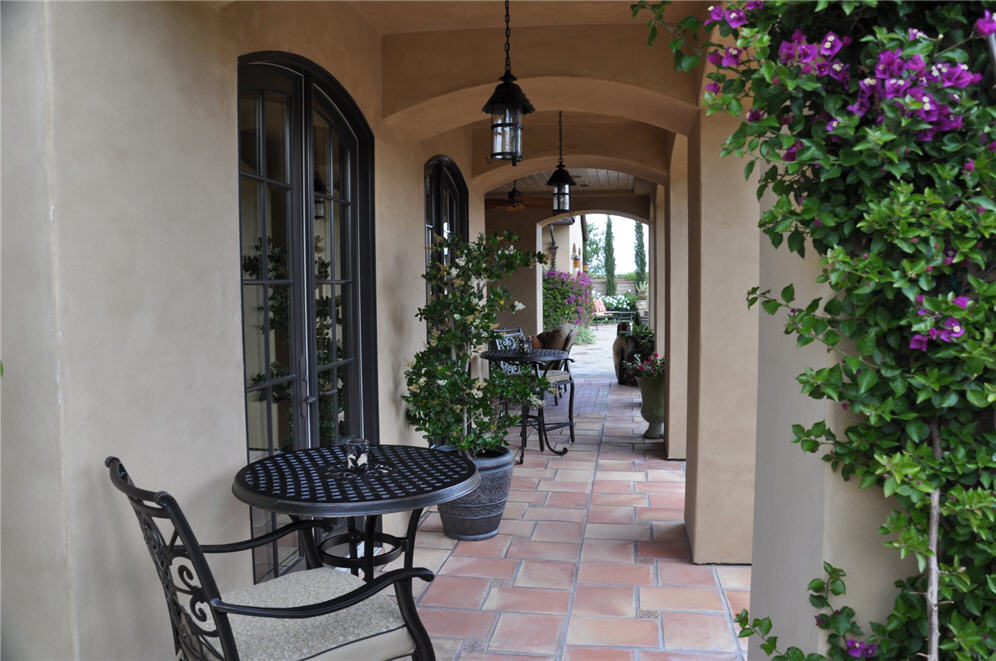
{"points": [[804, 513], [722, 348], [671, 245]]}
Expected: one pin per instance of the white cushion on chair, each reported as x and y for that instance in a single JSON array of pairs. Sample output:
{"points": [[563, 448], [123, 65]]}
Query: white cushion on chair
{"points": [[557, 376], [372, 629]]}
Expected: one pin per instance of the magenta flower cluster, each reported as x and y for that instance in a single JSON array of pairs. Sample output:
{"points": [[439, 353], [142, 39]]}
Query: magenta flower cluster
{"points": [[567, 296], [650, 367], [986, 25], [924, 90], [861, 650], [951, 329], [816, 58]]}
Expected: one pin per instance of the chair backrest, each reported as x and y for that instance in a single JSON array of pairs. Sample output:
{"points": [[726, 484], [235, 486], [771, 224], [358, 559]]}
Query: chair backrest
{"points": [[199, 632], [569, 340], [507, 339]]}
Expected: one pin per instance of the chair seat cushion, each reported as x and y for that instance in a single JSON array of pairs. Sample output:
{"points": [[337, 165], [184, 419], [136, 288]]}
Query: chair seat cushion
{"points": [[374, 624], [558, 376]]}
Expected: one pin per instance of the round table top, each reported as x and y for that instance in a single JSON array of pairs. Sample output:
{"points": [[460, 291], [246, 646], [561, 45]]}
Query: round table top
{"points": [[516, 356], [315, 481]]}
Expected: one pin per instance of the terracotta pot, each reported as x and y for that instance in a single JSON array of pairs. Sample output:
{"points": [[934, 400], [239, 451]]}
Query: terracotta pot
{"points": [[653, 406], [477, 515]]}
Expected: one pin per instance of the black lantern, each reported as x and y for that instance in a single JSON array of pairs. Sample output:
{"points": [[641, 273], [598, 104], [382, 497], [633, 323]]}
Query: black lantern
{"points": [[507, 106], [561, 179]]}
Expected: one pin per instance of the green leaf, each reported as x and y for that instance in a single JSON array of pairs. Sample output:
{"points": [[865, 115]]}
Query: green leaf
{"points": [[748, 169], [917, 430], [788, 293], [866, 380], [770, 306]]}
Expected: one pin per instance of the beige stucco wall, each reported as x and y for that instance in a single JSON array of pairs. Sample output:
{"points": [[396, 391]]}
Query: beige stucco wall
{"points": [[722, 342], [672, 245]]}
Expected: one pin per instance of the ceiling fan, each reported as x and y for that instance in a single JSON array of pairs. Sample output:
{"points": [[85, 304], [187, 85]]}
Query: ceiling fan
{"points": [[515, 201]]}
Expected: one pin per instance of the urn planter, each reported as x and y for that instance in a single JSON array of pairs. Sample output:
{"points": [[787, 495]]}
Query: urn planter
{"points": [[653, 406], [477, 515]]}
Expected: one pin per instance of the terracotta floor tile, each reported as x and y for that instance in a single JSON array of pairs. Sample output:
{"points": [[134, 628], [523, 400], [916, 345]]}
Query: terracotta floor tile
{"points": [[616, 574], [485, 656], [529, 600], [608, 550], [654, 655], [492, 548], [734, 577], [635, 531], [514, 510], [615, 465], [663, 550], [554, 514], [545, 574], [574, 476], [543, 550], [516, 527], [739, 600], [597, 654], [456, 592], [524, 483], [610, 515], [693, 599], [668, 499], [684, 574], [567, 499], [565, 485], [557, 531], [534, 471], [480, 567], [530, 497], [620, 476], [659, 487], [611, 486], [604, 601], [660, 514], [446, 649], [612, 631], [576, 464], [452, 623], [617, 499], [527, 633], [694, 631], [670, 531]]}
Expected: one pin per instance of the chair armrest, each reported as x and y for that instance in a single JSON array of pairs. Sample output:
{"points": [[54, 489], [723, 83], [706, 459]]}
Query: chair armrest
{"points": [[246, 544], [330, 606]]}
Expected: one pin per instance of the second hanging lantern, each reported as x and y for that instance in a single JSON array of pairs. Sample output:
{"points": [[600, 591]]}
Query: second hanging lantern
{"points": [[561, 179]]}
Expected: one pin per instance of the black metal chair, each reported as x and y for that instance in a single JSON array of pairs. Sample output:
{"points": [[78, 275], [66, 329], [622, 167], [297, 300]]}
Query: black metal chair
{"points": [[299, 615]]}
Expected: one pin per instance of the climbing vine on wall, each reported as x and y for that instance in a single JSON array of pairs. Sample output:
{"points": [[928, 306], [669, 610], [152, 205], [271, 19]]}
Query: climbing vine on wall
{"points": [[875, 126]]}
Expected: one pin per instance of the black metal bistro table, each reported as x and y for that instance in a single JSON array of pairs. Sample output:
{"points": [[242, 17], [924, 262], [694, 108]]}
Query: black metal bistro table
{"points": [[318, 483], [540, 360]]}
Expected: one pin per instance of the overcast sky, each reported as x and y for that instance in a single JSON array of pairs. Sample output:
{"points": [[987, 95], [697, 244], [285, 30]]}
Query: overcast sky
{"points": [[623, 239]]}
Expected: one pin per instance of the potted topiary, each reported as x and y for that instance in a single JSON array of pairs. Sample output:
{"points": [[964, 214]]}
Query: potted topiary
{"points": [[458, 410]]}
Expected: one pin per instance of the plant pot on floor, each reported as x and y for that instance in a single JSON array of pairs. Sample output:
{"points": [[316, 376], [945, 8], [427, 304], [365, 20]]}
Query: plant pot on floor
{"points": [[653, 405], [478, 514]]}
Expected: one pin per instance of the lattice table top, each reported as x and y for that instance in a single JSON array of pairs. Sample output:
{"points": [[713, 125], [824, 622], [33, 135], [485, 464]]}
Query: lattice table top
{"points": [[315, 482]]}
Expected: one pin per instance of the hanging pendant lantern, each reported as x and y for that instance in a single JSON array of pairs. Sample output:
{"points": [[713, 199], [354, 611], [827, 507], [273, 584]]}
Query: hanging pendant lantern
{"points": [[561, 179], [507, 105]]}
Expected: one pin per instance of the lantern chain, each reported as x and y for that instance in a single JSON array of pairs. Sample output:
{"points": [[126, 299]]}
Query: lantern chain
{"points": [[560, 136], [508, 35]]}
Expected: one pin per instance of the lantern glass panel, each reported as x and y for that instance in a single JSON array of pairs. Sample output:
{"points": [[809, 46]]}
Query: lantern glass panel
{"points": [[561, 198], [506, 134]]}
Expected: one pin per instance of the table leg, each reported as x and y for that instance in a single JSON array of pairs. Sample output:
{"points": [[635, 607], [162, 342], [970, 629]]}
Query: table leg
{"points": [[413, 520], [307, 539]]}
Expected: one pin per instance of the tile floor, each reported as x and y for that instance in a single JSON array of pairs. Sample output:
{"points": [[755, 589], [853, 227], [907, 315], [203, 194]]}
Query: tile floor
{"points": [[591, 562]]}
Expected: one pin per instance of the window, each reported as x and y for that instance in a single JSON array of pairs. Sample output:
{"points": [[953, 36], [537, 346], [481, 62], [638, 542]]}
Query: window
{"points": [[445, 207], [306, 225]]}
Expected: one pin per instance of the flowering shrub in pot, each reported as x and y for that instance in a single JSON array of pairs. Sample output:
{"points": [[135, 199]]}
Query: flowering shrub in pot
{"points": [[874, 125]]}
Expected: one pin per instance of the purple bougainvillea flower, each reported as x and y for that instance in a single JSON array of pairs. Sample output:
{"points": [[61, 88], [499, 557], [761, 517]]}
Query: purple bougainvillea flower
{"points": [[832, 124], [786, 119], [731, 57], [859, 107], [927, 135], [894, 87], [817, 222], [961, 301], [915, 65], [787, 52], [915, 34], [838, 71], [715, 58], [713, 87], [792, 152], [954, 327], [716, 14], [919, 299], [808, 52], [831, 45], [754, 4], [986, 25], [969, 165], [754, 115], [918, 342], [890, 64], [735, 18], [948, 122]]}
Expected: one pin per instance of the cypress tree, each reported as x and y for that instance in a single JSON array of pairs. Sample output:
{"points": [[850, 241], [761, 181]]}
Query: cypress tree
{"points": [[610, 259], [640, 255]]}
